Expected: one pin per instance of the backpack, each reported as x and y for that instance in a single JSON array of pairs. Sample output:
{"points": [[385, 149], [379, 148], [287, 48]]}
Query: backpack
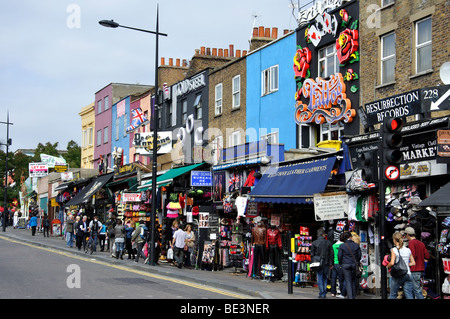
{"points": [[400, 268], [144, 232]]}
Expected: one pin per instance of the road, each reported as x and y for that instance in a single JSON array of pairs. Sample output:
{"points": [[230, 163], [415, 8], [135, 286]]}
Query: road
{"points": [[35, 272]]}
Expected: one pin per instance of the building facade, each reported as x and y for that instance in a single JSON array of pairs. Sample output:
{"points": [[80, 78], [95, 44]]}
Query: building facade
{"points": [[87, 115]]}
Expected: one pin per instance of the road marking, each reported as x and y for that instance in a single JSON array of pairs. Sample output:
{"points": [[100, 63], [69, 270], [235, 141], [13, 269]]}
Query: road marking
{"points": [[139, 272]]}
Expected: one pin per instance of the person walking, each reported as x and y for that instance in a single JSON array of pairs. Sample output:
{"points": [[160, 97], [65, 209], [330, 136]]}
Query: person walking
{"points": [[110, 224], [69, 230], [337, 273], [421, 256], [95, 226], [140, 239], [83, 229], [102, 237], [129, 228], [119, 235], [33, 224], [405, 281], [322, 252], [178, 241], [78, 233], [46, 226], [190, 240], [349, 256]]}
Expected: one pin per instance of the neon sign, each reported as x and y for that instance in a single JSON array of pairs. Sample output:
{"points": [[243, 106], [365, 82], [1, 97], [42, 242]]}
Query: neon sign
{"points": [[328, 101]]}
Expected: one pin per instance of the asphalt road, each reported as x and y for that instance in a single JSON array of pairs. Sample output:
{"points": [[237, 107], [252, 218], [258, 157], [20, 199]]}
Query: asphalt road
{"points": [[41, 273]]}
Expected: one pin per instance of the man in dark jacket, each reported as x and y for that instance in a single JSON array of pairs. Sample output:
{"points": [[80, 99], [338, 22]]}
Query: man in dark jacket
{"points": [[322, 252], [349, 256]]}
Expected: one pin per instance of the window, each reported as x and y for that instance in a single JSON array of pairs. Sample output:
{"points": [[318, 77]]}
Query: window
{"points": [[235, 138], [184, 111], [84, 138], [331, 131], [305, 136], [272, 138], [388, 58], [99, 107], [236, 87], [106, 102], [168, 115], [218, 99], [159, 117], [105, 135], [385, 3], [328, 61], [423, 45], [198, 107], [99, 137], [269, 80], [90, 135]]}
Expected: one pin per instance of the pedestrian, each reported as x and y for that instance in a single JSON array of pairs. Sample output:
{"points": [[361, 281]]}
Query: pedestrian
{"points": [[190, 240], [139, 237], [421, 257], [110, 224], [95, 226], [69, 230], [336, 272], [322, 252], [77, 232], [46, 225], [129, 228], [349, 256], [33, 224], [83, 231], [405, 281], [178, 241], [16, 219], [119, 235], [102, 237]]}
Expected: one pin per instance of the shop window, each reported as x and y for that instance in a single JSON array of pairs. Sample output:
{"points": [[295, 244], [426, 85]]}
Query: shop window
{"points": [[423, 45], [388, 58]]}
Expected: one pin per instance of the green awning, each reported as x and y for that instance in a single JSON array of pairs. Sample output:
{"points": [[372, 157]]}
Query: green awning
{"points": [[131, 182], [168, 177]]}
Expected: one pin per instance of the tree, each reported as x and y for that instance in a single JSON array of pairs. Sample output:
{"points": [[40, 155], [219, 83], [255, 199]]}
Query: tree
{"points": [[73, 155]]}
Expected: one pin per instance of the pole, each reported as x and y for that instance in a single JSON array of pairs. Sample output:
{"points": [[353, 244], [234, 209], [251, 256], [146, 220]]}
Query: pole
{"points": [[154, 153], [5, 198], [290, 285], [382, 228]]}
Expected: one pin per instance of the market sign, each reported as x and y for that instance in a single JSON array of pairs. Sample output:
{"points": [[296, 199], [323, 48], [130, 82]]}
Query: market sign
{"points": [[201, 178], [38, 169], [331, 206], [143, 142], [131, 197]]}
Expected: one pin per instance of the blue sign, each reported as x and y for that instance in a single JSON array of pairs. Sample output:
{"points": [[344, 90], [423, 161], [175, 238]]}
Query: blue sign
{"points": [[201, 178]]}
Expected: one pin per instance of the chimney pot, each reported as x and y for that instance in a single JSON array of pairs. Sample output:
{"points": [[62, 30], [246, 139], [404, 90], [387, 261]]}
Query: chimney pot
{"points": [[286, 31], [163, 61], [208, 51], [231, 50], [267, 33], [178, 62], [171, 61], [184, 62], [214, 51], [261, 32], [225, 53], [244, 52], [238, 53], [202, 50], [255, 32], [221, 52], [274, 33]]}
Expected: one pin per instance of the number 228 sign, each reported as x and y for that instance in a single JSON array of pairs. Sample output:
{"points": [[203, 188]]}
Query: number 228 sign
{"points": [[392, 173]]}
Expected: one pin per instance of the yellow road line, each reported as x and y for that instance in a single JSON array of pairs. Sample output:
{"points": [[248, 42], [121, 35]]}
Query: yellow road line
{"points": [[139, 272]]}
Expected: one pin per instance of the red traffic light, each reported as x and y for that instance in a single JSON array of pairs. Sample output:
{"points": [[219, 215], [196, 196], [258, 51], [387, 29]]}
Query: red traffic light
{"points": [[394, 124]]}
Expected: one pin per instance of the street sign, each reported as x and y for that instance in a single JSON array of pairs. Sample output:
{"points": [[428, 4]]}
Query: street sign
{"points": [[392, 173], [435, 98]]}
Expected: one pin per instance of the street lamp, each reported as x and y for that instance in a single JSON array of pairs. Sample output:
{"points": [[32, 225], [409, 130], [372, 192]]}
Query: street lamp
{"points": [[8, 143], [113, 24]]}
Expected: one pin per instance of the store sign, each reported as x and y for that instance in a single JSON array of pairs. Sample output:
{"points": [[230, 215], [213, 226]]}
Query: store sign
{"points": [[436, 98], [318, 8], [38, 169], [330, 206], [443, 146], [201, 178], [143, 142], [328, 101], [415, 169], [51, 161], [131, 197], [61, 168], [189, 85]]}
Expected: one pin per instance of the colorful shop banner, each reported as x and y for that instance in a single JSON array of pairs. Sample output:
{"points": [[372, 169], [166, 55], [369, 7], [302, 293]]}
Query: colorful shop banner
{"points": [[38, 169], [143, 142], [51, 161], [131, 197]]}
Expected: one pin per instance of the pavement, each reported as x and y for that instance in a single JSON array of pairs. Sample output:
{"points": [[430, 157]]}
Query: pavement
{"points": [[227, 279]]}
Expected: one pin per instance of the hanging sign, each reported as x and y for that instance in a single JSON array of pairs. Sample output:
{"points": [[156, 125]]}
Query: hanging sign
{"points": [[443, 146], [38, 169], [328, 101], [143, 142], [330, 206], [131, 197]]}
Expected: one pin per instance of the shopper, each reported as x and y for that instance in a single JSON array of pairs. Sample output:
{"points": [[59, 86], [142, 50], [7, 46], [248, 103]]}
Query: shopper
{"points": [[110, 224], [178, 241], [129, 228], [349, 256], [337, 273], [405, 281], [46, 226], [33, 224], [70, 226], [190, 240], [102, 237], [95, 226], [83, 228], [322, 252], [139, 238], [421, 257], [78, 233], [119, 235]]}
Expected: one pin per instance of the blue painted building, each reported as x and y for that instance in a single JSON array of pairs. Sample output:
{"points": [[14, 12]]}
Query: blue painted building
{"points": [[119, 122], [270, 92]]}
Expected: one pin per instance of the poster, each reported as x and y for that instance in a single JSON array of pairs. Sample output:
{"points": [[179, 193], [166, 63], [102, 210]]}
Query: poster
{"points": [[203, 221]]}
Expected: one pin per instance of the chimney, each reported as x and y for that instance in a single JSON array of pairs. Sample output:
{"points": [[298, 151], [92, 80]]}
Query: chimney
{"points": [[255, 31], [220, 52], [261, 32], [208, 51], [286, 31], [225, 53], [274, 33], [170, 61], [214, 51], [267, 32], [163, 61], [178, 62], [238, 53], [231, 50], [202, 50]]}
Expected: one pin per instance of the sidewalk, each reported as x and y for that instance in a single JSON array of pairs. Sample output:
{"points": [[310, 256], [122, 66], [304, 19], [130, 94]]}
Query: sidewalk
{"points": [[223, 279]]}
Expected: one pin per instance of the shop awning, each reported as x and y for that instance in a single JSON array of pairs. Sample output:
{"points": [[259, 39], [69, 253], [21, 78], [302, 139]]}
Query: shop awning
{"points": [[62, 186], [438, 198], [92, 188], [294, 184], [168, 177], [129, 183]]}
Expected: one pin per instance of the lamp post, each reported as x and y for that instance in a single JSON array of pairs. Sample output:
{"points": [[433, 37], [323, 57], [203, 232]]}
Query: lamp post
{"points": [[8, 143], [113, 24]]}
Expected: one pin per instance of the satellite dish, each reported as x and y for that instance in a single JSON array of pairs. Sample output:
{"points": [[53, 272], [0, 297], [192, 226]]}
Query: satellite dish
{"points": [[445, 73]]}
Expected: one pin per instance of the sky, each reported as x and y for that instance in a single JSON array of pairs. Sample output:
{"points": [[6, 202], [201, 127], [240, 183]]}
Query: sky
{"points": [[54, 54]]}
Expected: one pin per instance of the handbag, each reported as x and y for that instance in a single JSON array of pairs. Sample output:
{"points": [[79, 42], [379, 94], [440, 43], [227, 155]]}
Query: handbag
{"points": [[400, 268], [359, 266]]}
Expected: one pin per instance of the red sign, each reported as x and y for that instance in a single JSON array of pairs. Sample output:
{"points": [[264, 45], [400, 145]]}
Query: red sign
{"points": [[392, 173], [446, 264]]}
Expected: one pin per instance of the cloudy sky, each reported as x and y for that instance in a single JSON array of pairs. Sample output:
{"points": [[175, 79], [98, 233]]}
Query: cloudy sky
{"points": [[54, 55]]}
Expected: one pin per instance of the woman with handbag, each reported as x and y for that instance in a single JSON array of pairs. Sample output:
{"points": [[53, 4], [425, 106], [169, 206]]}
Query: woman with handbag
{"points": [[401, 260], [189, 245]]}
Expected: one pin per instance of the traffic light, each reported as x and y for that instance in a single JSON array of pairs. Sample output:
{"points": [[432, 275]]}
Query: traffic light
{"points": [[392, 140], [369, 172]]}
